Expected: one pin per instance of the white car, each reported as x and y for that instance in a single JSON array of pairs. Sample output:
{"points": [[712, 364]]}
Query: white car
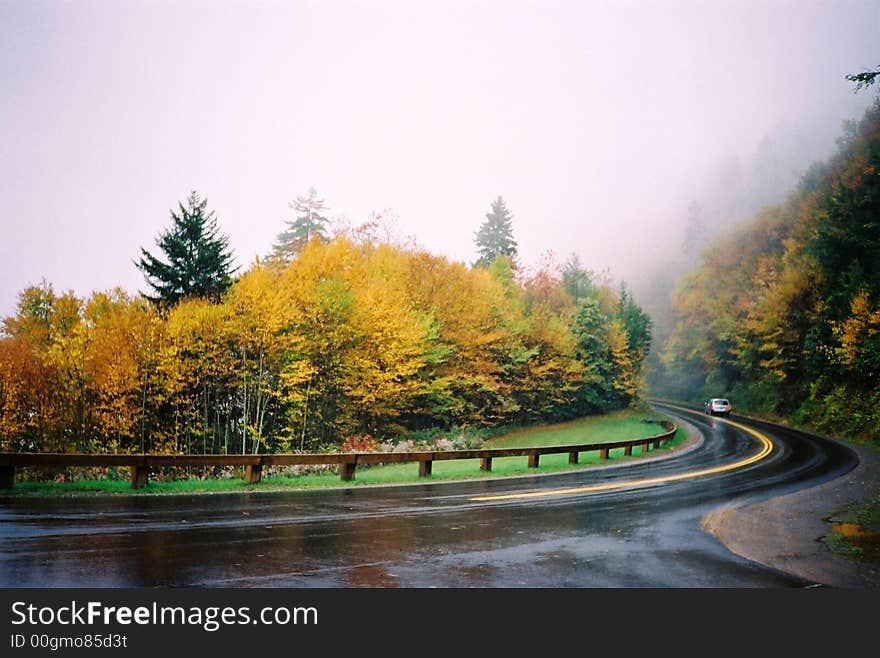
{"points": [[718, 407]]}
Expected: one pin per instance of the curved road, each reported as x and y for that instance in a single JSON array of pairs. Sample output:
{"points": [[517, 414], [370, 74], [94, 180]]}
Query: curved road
{"points": [[633, 524]]}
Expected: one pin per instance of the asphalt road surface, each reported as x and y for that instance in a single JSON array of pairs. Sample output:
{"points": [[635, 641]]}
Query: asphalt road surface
{"points": [[629, 524]]}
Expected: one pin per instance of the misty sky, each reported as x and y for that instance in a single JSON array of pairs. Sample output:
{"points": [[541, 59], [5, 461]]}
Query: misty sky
{"points": [[598, 122]]}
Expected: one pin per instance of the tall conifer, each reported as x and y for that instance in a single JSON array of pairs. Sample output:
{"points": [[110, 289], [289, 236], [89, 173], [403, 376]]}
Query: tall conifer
{"points": [[197, 260], [495, 237], [310, 222]]}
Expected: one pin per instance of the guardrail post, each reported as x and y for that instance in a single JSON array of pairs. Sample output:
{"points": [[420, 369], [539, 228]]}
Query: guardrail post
{"points": [[533, 460], [253, 473], [573, 457], [139, 476], [346, 471], [656, 444], [485, 463], [425, 466], [7, 477], [628, 451], [645, 446], [603, 453]]}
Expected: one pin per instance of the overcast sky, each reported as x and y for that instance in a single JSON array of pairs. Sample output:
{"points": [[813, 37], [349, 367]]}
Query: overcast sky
{"points": [[598, 122]]}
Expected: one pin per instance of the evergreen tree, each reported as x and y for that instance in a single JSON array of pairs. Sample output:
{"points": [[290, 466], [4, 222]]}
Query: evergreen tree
{"points": [[637, 324], [197, 258], [310, 222], [589, 327], [577, 280], [695, 232], [495, 237], [864, 79]]}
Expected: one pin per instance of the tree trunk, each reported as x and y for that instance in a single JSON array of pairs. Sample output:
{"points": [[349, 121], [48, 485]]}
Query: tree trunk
{"points": [[302, 438]]}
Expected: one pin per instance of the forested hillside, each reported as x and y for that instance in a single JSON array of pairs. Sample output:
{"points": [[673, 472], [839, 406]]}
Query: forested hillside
{"points": [[351, 336], [783, 314]]}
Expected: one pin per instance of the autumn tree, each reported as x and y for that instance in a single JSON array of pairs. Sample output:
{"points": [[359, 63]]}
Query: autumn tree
{"points": [[542, 367], [28, 412], [71, 343], [495, 236], [255, 344], [197, 259], [25, 384], [470, 315], [349, 338], [119, 327]]}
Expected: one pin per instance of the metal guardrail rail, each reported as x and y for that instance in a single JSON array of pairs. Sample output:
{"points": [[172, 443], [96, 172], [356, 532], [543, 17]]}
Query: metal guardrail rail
{"points": [[140, 464]]}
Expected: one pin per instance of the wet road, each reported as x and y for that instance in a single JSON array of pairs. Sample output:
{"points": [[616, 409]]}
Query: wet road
{"points": [[428, 535]]}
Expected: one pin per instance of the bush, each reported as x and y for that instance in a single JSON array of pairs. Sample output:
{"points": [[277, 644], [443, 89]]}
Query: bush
{"points": [[365, 443], [844, 413]]}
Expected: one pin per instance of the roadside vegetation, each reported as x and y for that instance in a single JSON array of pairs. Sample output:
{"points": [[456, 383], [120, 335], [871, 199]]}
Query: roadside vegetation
{"points": [[856, 532], [334, 339], [782, 316], [628, 424]]}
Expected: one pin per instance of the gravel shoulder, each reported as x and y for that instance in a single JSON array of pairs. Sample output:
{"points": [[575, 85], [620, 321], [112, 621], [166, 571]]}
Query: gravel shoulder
{"points": [[786, 532]]}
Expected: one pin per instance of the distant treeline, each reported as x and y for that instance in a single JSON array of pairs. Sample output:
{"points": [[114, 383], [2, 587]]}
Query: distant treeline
{"points": [[351, 337], [783, 315]]}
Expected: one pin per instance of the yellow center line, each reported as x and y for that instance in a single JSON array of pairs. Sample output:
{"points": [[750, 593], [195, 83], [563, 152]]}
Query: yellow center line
{"points": [[767, 447]]}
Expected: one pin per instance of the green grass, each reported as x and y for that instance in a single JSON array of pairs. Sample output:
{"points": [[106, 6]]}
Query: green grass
{"points": [[595, 429]]}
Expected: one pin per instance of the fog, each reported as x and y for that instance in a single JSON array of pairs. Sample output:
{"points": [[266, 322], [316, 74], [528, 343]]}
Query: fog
{"points": [[599, 123]]}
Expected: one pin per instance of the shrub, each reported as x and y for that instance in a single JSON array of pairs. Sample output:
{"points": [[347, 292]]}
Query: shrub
{"points": [[365, 443]]}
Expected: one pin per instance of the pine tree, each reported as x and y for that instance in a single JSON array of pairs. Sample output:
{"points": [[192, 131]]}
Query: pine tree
{"points": [[309, 223], [495, 237], [197, 258], [864, 79], [577, 280], [637, 324]]}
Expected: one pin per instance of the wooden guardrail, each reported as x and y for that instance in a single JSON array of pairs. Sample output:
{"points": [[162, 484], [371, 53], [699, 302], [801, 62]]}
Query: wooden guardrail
{"points": [[140, 465]]}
